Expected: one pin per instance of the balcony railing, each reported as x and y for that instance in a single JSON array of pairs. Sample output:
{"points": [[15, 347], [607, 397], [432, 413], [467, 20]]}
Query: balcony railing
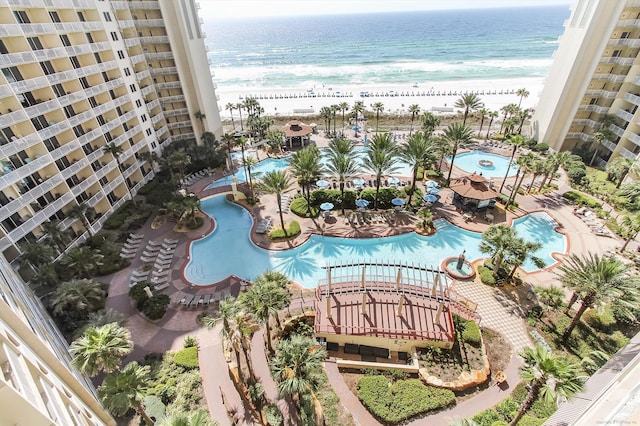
{"points": [[12, 118], [614, 78], [154, 39], [595, 108], [630, 42], [609, 145], [634, 99], [634, 138], [15, 59], [617, 130], [30, 84], [164, 70], [618, 60], [625, 115], [168, 85], [628, 154], [159, 55], [146, 5], [607, 94]]}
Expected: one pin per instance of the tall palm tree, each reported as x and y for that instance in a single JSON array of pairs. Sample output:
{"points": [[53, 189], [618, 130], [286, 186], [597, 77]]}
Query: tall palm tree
{"points": [[341, 163], [305, 166], [429, 123], [240, 107], [227, 309], [595, 280], [277, 182], [414, 110], [242, 142], [35, 254], [199, 115], [555, 161], [239, 338], [191, 206], [522, 251], [603, 133], [85, 213], [498, 241], [548, 376], [249, 163], [525, 164], [343, 107], [326, 113], [55, 235], [297, 367], [492, 115], [419, 151], [508, 111], [229, 140], [523, 115], [483, 113], [538, 167], [193, 418], [357, 111], [230, 107], [334, 111], [378, 107], [516, 141], [151, 158], [380, 160], [455, 134], [263, 301], [126, 389], [631, 225], [523, 93], [618, 169], [275, 139], [178, 161], [82, 261], [101, 349], [469, 102], [80, 296]]}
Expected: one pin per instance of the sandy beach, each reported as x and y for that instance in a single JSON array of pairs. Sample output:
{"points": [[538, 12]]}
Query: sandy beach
{"points": [[437, 97]]}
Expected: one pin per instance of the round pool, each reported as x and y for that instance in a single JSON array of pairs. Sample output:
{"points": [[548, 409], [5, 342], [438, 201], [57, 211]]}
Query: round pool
{"points": [[450, 265], [490, 165]]}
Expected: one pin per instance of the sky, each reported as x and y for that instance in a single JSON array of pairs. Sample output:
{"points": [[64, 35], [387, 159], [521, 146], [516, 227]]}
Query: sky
{"points": [[240, 8]]}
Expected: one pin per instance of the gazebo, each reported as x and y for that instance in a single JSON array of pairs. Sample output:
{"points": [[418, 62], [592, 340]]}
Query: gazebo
{"points": [[473, 192], [297, 133]]}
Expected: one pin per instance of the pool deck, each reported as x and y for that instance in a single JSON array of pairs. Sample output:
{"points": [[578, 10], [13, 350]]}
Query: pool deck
{"points": [[496, 306]]}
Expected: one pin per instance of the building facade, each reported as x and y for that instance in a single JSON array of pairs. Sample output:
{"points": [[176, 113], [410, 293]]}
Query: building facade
{"points": [[594, 82], [38, 385], [81, 75]]}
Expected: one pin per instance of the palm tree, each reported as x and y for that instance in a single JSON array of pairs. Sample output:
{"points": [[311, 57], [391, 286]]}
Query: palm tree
{"points": [[603, 133], [516, 141], [521, 252], [297, 367], [619, 168], [523, 116], [101, 349], [525, 164], [200, 116], [429, 122], [126, 389], [248, 164], [378, 107], [150, 157], [35, 254], [239, 338], [548, 376], [178, 161], [498, 241], [523, 93], [334, 111], [343, 107], [342, 163], [469, 102], [508, 111], [381, 160], [240, 107], [419, 151], [357, 111], [275, 140], [242, 143], [193, 418], [483, 113], [305, 166], [227, 309], [55, 235], [263, 301], [538, 166], [631, 225], [80, 296], [230, 107], [414, 110], [325, 112], [116, 151], [557, 160], [85, 213], [595, 280], [492, 115], [229, 140], [191, 205], [82, 261], [277, 182], [455, 134]]}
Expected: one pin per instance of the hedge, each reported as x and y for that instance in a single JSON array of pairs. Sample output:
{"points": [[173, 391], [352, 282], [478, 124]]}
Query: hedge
{"points": [[128, 217], [195, 224], [300, 207], [582, 199], [471, 334], [137, 292], [541, 147], [385, 195], [486, 275], [292, 230], [402, 400], [112, 263], [333, 196], [187, 358], [602, 321], [154, 307]]}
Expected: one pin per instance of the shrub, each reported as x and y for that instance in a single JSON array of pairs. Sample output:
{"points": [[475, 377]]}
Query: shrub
{"points": [[154, 307], [486, 275], [300, 207], [500, 423], [542, 409], [528, 420], [541, 147], [190, 342], [506, 408], [519, 393], [582, 199], [195, 224], [487, 417], [137, 292], [273, 415], [385, 195], [617, 340], [128, 217], [576, 174], [402, 400], [603, 321], [112, 263], [333, 196], [471, 333], [187, 358], [292, 230], [160, 194]]}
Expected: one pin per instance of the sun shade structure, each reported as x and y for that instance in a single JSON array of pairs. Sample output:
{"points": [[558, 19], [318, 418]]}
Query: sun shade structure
{"points": [[473, 192], [297, 133]]}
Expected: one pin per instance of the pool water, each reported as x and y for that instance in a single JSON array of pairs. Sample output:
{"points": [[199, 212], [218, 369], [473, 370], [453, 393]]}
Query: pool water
{"points": [[468, 161], [229, 251]]}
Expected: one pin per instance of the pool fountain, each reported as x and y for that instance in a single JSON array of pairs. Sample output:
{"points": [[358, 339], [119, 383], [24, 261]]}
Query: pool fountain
{"points": [[486, 164], [458, 267]]}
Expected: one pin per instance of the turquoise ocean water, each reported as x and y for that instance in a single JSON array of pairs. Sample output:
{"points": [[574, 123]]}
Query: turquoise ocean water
{"points": [[422, 47]]}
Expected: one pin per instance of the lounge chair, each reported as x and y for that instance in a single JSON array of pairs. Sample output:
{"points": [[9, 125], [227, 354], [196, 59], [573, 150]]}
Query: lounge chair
{"points": [[152, 248], [140, 273], [153, 243], [195, 301], [147, 259], [206, 300], [136, 236], [127, 255], [170, 241], [169, 246], [160, 287], [149, 254], [187, 299], [161, 264], [164, 258], [162, 273]]}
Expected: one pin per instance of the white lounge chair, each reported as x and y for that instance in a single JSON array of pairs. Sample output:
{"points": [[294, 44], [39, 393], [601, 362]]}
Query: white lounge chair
{"points": [[149, 254], [169, 241], [162, 273], [147, 259], [160, 287], [136, 236]]}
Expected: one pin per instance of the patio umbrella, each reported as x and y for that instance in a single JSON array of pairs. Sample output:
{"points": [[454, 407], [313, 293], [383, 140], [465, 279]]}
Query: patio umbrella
{"points": [[398, 202], [429, 198], [322, 183], [358, 181], [362, 203], [434, 191], [431, 184], [326, 206], [355, 128], [393, 180]]}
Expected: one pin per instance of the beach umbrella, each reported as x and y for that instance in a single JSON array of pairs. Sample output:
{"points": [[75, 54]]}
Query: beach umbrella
{"points": [[434, 191], [398, 202], [355, 128], [322, 183], [429, 198], [326, 206], [431, 184], [362, 203], [393, 180], [358, 181]]}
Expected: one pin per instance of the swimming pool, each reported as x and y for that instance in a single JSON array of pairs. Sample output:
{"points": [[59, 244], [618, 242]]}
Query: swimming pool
{"points": [[469, 162], [229, 251]]}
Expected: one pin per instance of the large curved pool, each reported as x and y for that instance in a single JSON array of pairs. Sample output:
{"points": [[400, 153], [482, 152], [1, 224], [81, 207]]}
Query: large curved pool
{"points": [[229, 251], [487, 164]]}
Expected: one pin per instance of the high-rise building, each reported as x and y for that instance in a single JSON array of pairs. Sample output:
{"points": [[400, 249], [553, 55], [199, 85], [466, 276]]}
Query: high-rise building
{"points": [[38, 385], [82, 75], [594, 82]]}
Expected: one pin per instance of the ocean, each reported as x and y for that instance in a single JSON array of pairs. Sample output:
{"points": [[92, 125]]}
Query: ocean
{"points": [[312, 51]]}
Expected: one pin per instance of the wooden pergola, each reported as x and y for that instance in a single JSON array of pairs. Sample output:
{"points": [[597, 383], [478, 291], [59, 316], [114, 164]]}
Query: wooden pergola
{"points": [[297, 133], [473, 192]]}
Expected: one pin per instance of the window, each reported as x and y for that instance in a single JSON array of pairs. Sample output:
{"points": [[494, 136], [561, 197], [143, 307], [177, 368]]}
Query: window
{"points": [[81, 16], [127, 72], [21, 16], [144, 118], [616, 53], [89, 37], [120, 54], [52, 143], [47, 68], [132, 87], [138, 103], [114, 36], [593, 101], [65, 40], [107, 16], [103, 180], [84, 82], [625, 34], [69, 112], [93, 102], [34, 42], [101, 120], [96, 55], [3, 48], [12, 74], [153, 145], [54, 16], [148, 132], [78, 130], [75, 62]]}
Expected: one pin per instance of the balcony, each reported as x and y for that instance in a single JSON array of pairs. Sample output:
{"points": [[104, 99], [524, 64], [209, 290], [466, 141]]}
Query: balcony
{"points": [[634, 99], [62, 76], [183, 136], [625, 115], [618, 60], [629, 42], [75, 168], [83, 49], [147, 90], [594, 108], [10, 30], [579, 135], [137, 58], [634, 138], [130, 42], [19, 144], [9, 59], [141, 23], [30, 84], [156, 119], [41, 216], [614, 78], [165, 70], [153, 104], [143, 74], [78, 27], [5, 90], [609, 145], [126, 23], [72, 98], [12, 118], [616, 130], [154, 39], [54, 129], [629, 23], [585, 122], [124, 5], [156, 56], [162, 130], [175, 98], [46, 54], [168, 85], [36, 29], [628, 154], [607, 94], [179, 125], [174, 112]]}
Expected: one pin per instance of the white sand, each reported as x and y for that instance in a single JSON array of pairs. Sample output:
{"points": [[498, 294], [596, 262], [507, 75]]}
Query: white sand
{"points": [[305, 104]]}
